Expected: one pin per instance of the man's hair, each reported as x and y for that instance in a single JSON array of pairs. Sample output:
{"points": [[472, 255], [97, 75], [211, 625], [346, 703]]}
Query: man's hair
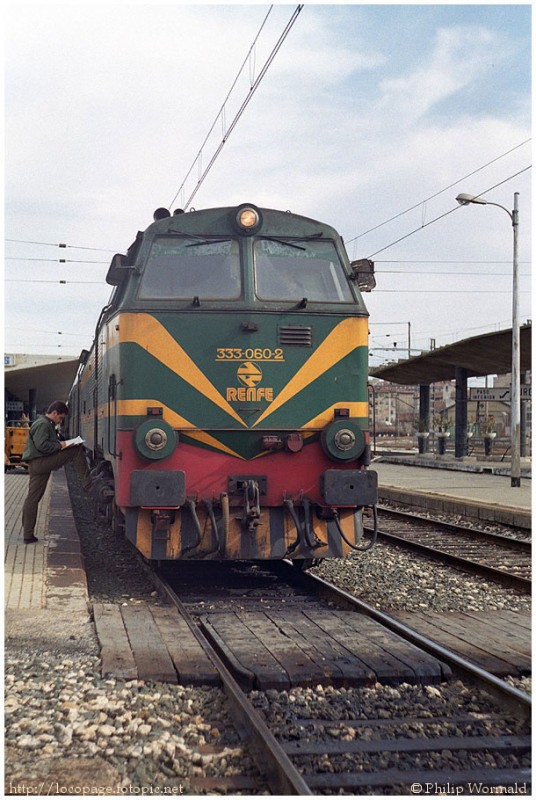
{"points": [[59, 406]]}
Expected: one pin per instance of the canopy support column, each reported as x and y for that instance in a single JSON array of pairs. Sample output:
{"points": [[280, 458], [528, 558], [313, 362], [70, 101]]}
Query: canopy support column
{"points": [[424, 407], [460, 442]]}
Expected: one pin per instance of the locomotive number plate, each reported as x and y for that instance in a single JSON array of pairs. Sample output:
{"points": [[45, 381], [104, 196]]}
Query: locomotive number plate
{"points": [[249, 354]]}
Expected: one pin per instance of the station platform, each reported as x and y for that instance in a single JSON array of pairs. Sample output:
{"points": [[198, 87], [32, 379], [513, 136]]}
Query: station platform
{"points": [[486, 496], [46, 599]]}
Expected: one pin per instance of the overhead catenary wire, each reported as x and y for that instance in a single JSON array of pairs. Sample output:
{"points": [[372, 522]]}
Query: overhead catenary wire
{"points": [[61, 244], [446, 291], [446, 213], [58, 333], [253, 87], [447, 272], [221, 113], [54, 260], [43, 280], [439, 261], [441, 191]]}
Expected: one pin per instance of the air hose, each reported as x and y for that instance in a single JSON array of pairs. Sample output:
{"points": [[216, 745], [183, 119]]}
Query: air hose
{"points": [[210, 509], [372, 542], [197, 525]]}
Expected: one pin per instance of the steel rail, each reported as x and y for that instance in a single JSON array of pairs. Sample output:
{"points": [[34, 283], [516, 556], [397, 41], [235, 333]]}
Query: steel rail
{"points": [[472, 535], [514, 698], [271, 759], [503, 577], [463, 530]]}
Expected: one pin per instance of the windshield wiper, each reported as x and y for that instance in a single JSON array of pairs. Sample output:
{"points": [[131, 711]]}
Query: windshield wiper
{"points": [[198, 240], [284, 243], [206, 242]]}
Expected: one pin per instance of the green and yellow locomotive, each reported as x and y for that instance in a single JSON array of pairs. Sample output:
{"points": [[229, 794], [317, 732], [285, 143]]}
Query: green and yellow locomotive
{"points": [[224, 400]]}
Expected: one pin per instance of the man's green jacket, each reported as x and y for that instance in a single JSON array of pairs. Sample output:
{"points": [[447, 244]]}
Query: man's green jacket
{"points": [[42, 440]]}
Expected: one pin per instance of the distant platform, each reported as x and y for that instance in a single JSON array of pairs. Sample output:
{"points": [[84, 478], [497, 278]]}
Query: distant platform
{"points": [[486, 496]]}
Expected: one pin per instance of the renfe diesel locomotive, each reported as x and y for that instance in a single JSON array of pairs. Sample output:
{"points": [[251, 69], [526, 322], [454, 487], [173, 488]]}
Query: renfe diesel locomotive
{"points": [[224, 399]]}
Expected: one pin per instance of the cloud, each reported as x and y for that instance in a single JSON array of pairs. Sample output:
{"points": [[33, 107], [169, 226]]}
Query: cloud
{"points": [[460, 56], [107, 107]]}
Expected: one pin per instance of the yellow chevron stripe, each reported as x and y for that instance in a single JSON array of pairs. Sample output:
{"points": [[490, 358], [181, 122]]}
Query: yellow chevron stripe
{"points": [[138, 408], [148, 333], [128, 408], [360, 409], [344, 338], [206, 438]]}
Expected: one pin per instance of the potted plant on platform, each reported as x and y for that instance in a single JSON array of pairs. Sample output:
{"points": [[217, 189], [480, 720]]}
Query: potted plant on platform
{"points": [[489, 432], [469, 435], [423, 434], [441, 425]]}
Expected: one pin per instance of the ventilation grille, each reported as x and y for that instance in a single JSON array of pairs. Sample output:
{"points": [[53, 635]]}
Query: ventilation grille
{"points": [[296, 335]]}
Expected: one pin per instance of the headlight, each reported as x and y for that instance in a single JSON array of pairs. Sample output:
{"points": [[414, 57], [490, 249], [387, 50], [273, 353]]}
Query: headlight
{"points": [[155, 439], [247, 218], [343, 440]]}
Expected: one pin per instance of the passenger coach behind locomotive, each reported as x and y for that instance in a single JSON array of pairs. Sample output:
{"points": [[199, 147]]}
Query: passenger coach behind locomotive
{"points": [[224, 400]]}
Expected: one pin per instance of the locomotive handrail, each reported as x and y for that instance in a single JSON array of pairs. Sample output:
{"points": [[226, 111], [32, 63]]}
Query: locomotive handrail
{"points": [[112, 396]]}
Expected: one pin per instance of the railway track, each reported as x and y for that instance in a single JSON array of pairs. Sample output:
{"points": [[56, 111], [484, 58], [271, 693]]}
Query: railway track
{"points": [[501, 558], [470, 730]]}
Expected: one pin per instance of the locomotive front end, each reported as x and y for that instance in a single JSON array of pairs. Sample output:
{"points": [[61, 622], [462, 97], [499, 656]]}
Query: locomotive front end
{"points": [[234, 362]]}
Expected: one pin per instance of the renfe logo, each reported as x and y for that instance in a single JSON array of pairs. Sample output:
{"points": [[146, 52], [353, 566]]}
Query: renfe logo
{"points": [[249, 374]]}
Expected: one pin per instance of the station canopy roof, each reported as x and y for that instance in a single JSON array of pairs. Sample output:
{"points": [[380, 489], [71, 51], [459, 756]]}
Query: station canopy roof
{"points": [[488, 354], [50, 382]]}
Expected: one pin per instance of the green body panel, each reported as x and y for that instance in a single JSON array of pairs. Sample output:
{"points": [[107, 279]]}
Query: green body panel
{"points": [[204, 335]]}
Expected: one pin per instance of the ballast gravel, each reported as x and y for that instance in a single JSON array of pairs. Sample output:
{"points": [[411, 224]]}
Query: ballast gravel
{"points": [[387, 713], [69, 731], [393, 579]]}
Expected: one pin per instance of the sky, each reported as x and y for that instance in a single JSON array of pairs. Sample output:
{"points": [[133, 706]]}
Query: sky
{"points": [[370, 118]]}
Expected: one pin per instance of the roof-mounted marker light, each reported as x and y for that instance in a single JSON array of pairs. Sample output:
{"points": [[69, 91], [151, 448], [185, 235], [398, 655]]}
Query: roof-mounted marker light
{"points": [[248, 219]]}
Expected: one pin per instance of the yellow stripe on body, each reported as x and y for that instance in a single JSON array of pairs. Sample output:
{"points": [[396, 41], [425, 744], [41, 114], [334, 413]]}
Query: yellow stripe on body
{"points": [[138, 408], [145, 331], [206, 438], [360, 409], [345, 337]]}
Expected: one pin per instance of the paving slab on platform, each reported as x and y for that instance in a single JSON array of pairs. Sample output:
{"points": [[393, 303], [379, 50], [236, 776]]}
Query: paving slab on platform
{"points": [[45, 599], [268, 650]]}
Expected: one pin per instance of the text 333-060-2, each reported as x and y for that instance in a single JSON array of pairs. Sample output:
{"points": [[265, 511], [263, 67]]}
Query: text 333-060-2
{"points": [[249, 354]]}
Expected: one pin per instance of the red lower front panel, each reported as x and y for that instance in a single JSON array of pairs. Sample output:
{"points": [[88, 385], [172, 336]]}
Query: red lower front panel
{"points": [[196, 525], [287, 475]]}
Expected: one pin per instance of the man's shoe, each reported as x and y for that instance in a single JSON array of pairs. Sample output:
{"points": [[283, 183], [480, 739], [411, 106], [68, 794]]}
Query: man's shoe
{"points": [[31, 541]]}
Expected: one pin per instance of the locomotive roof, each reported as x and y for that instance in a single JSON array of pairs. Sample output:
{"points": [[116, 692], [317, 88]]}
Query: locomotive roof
{"points": [[220, 217]]}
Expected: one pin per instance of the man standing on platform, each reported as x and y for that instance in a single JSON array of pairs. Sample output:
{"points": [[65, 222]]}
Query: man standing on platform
{"points": [[44, 453]]}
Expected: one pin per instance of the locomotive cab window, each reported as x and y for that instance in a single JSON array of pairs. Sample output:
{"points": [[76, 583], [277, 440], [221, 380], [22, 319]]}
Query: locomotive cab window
{"points": [[185, 267], [293, 269]]}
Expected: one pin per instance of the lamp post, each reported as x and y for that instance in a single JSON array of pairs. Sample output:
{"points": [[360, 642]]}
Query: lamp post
{"points": [[515, 472]]}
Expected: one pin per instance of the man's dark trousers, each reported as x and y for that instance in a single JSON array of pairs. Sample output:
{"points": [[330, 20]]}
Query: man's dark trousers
{"points": [[40, 469]]}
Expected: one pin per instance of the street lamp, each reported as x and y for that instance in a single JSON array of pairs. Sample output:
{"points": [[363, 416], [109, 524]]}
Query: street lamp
{"points": [[515, 472]]}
